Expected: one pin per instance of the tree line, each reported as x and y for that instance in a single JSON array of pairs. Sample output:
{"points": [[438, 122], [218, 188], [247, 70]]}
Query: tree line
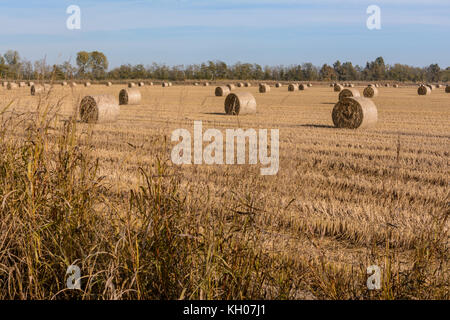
{"points": [[95, 66]]}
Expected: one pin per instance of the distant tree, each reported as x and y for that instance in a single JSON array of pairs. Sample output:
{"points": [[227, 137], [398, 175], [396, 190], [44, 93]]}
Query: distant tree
{"points": [[349, 72], [433, 72], [3, 68], [98, 64], [83, 58], [338, 70], [327, 73], [12, 57]]}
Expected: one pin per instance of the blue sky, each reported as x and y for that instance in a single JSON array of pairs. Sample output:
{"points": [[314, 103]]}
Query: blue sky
{"points": [[268, 32]]}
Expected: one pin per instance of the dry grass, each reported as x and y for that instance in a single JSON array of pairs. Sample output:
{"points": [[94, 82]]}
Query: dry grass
{"points": [[107, 198]]}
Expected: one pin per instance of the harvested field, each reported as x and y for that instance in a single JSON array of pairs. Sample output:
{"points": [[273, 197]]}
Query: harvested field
{"points": [[342, 199]]}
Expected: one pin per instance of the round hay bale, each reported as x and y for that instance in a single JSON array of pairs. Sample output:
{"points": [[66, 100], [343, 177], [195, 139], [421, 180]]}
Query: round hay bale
{"points": [[109, 84], [310, 85], [64, 83], [438, 86], [131, 85], [12, 86], [87, 84], [222, 91], [240, 85], [424, 90], [395, 86], [37, 89], [150, 84], [370, 92], [99, 109], [170, 84], [129, 96], [206, 84], [447, 89], [5, 84], [30, 83], [351, 85], [231, 86], [387, 85], [338, 88], [240, 103], [349, 92], [248, 84], [293, 87], [196, 84], [141, 84], [303, 86], [354, 113], [263, 88], [165, 84], [278, 85], [431, 86], [73, 84], [22, 84]]}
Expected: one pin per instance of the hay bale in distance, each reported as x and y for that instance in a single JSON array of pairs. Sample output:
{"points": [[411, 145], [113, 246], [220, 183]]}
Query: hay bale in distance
{"points": [[64, 83], [222, 91], [196, 84], [248, 84], [37, 89], [354, 113], [87, 84], [141, 84], [370, 92], [130, 96], [231, 86], [310, 85], [109, 84], [338, 88], [293, 87], [22, 84], [99, 109], [73, 84], [240, 85], [5, 84], [431, 86], [395, 86], [278, 85], [240, 103], [303, 86], [131, 85], [264, 88], [447, 89], [165, 84], [349, 92], [424, 90], [206, 84], [12, 86]]}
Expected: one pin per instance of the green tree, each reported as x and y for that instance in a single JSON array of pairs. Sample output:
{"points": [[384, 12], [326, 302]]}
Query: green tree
{"points": [[83, 62], [98, 64], [433, 72], [327, 73]]}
